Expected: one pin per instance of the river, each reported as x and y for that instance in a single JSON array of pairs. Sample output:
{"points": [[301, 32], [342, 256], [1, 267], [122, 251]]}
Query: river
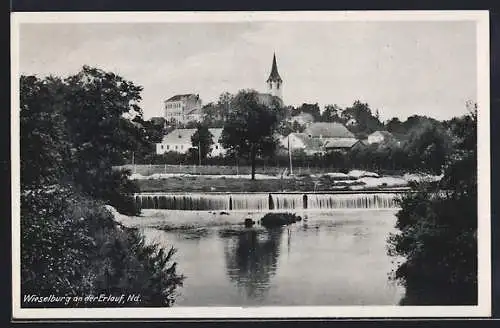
{"points": [[334, 257]]}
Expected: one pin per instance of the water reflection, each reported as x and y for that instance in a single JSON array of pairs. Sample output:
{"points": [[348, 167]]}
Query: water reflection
{"points": [[328, 259], [251, 259]]}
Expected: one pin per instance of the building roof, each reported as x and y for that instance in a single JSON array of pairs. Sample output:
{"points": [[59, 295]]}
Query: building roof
{"points": [[179, 136], [328, 130], [340, 142], [183, 136], [385, 134], [274, 76], [180, 97]]}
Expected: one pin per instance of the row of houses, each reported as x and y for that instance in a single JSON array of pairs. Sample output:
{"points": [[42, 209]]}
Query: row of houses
{"points": [[317, 138]]}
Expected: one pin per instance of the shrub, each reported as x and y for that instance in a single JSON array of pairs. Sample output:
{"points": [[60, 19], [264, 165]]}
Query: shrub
{"points": [[437, 240], [438, 230], [71, 246]]}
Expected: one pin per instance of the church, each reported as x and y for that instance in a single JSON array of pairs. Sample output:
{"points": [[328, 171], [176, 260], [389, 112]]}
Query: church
{"points": [[274, 86]]}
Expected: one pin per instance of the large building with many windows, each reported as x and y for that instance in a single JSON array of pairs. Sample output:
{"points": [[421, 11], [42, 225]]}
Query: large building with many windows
{"points": [[183, 108]]}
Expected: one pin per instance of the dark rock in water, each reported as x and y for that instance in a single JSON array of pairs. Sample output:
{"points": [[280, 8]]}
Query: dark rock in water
{"points": [[279, 219], [224, 213], [249, 223]]}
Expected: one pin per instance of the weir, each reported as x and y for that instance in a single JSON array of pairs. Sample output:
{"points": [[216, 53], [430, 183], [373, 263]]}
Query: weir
{"points": [[266, 201]]}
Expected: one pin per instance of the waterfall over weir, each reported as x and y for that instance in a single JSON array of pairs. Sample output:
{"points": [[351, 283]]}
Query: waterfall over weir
{"points": [[265, 201]]}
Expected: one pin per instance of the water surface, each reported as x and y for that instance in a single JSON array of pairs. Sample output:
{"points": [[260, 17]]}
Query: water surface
{"points": [[336, 257]]}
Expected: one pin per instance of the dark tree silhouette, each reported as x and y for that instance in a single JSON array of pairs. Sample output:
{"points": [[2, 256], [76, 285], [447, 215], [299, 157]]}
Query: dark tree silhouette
{"points": [[249, 130]]}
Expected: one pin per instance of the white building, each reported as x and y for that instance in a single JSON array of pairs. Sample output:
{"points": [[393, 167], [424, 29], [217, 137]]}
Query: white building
{"points": [[301, 141], [179, 140], [183, 108], [380, 137]]}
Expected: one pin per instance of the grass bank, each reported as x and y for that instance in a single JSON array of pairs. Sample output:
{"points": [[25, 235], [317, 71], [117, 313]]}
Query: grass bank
{"points": [[305, 183], [220, 169]]}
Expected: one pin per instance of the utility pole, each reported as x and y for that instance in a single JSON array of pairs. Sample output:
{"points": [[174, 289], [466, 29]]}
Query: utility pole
{"points": [[133, 162], [237, 167], [290, 155], [199, 152]]}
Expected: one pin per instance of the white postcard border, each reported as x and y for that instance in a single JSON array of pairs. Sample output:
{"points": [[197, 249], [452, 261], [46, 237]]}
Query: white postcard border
{"points": [[483, 309]]}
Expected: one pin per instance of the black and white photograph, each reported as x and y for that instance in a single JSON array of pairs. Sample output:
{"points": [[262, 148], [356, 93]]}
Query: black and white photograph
{"points": [[250, 164]]}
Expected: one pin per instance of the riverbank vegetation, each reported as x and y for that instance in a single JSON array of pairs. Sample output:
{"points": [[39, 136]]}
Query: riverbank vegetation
{"points": [[438, 230], [72, 131]]}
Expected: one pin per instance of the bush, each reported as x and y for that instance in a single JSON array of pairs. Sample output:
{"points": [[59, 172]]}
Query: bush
{"points": [[438, 227], [437, 240], [71, 246]]}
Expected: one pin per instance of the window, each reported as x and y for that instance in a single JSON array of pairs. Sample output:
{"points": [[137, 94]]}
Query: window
{"points": [[168, 147], [161, 146], [216, 147], [176, 147]]}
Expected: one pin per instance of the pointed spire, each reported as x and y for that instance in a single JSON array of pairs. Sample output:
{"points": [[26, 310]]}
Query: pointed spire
{"points": [[274, 76]]}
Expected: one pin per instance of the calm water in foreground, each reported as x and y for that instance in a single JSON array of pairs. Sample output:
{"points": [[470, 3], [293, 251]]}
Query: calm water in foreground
{"points": [[334, 258]]}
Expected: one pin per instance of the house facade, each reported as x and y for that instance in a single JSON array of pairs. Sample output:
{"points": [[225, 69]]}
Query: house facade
{"points": [[301, 141], [183, 108], [380, 137], [179, 141]]}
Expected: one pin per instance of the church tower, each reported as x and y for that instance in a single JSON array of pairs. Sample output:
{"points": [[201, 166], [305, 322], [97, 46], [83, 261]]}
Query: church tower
{"points": [[274, 82]]}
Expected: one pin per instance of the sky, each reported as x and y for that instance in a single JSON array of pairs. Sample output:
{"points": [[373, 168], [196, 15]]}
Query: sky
{"points": [[400, 68]]}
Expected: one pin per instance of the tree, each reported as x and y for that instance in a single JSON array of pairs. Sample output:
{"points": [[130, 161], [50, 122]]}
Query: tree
{"points": [[331, 113], [212, 115], [72, 132], [437, 231], [98, 111], [249, 130], [78, 128], [427, 147], [312, 109], [202, 141], [361, 118], [395, 126], [45, 149], [224, 103], [287, 127]]}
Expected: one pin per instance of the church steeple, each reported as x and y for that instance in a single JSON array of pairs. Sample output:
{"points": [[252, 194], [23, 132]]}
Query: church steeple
{"points": [[274, 76], [274, 82]]}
